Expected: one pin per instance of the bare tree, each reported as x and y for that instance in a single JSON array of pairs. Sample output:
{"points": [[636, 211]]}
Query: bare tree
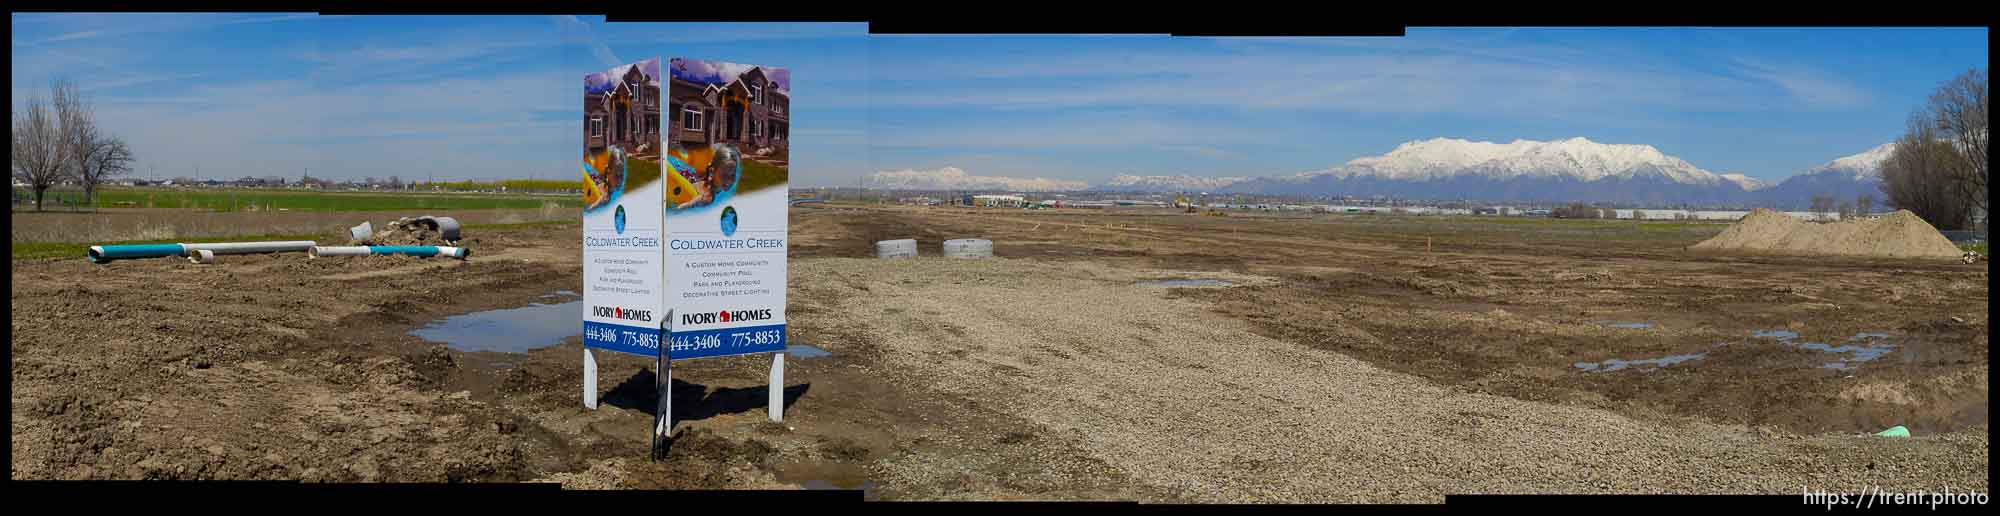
{"points": [[1847, 210], [1923, 174], [1821, 204], [1864, 204], [94, 155], [1960, 112], [108, 158], [38, 151]]}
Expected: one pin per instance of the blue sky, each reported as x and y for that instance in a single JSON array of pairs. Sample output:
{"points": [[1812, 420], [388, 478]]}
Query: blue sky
{"points": [[491, 97]]}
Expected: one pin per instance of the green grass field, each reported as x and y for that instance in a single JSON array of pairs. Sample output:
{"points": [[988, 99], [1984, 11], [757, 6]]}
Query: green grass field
{"points": [[242, 199], [759, 175], [513, 185], [38, 250]]}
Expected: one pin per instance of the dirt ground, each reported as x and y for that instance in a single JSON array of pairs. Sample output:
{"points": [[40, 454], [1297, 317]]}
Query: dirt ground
{"points": [[1349, 359]]}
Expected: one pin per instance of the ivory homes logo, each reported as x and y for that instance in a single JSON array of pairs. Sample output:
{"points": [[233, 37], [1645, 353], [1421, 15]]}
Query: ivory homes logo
{"points": [[724, 316], [628, 314]]}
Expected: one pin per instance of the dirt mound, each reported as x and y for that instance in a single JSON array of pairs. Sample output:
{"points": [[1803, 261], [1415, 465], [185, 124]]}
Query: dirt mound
{"points": [[1897, 235], [405, 232], [406, 236]]}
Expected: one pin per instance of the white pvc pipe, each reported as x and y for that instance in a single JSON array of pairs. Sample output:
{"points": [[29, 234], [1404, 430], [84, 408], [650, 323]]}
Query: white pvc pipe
{"points": [[318, 251], [202, 256], [250, 247]]}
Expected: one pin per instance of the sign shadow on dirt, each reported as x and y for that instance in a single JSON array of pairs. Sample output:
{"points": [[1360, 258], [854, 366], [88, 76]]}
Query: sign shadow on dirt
{"points": [[693, 401]]}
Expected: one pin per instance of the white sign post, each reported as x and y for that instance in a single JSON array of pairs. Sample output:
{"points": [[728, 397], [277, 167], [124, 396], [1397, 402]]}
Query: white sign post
{"points": [[688, 219]]}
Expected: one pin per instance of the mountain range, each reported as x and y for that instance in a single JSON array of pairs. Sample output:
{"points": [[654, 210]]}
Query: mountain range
{"points": [[1575, 169]]}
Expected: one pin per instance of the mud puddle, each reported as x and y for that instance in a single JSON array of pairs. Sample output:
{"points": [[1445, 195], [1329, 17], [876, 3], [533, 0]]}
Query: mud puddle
{"points": [[1649, 364], [509, 330], [806, 351], [828, 476], [1862, 347], [1627, 325], [1186, 282]]}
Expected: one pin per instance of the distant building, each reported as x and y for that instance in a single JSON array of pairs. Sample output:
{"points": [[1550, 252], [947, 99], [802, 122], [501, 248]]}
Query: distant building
{"points": [[999, 201]]}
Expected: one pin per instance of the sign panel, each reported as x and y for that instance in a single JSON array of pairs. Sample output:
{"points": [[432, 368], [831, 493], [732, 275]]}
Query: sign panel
{"points": [[728, 141], [623, 221]]}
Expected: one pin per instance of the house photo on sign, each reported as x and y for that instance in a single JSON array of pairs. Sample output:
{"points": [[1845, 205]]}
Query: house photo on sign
{"points": [[727, 146], [622, 226]]}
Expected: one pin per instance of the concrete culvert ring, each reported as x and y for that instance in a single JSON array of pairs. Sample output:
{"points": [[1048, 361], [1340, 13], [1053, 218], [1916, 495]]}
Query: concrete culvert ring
{"points": [[968, 248], [893, 249]]}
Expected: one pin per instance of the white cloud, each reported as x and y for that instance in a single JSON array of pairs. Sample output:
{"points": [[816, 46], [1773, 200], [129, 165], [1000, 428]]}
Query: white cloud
{"points": [[126, 24], [575, 31], [1070, 131], [691, 32], [133, 81], [75, 35], [1807, 86], [1432, 74], [456, 127], [952, 178]]}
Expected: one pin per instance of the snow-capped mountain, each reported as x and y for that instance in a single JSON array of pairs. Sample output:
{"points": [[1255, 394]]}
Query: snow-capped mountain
{"points": [[1574, 158], [1575, 169], [1844, 179], [1155, 184], [1523, 170], [1577, 158], [953, 178], [1749, 184], [1865, 165]]}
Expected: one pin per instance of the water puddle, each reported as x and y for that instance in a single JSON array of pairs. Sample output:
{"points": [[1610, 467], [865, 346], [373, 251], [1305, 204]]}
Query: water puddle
{"points": [[1872, 345], [1186, 283], [561, 293], [1627, 325], [508, 330], [805, 351], [1775, 334], [827, 476], [1650, 363]]}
